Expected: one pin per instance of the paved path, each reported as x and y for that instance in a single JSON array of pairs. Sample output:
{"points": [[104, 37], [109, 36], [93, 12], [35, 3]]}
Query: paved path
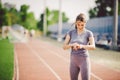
{"points": [[40, 60]]}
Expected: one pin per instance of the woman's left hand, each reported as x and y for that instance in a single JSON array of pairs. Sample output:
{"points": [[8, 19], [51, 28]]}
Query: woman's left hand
{"points": [[77, 46], [80, 46]]}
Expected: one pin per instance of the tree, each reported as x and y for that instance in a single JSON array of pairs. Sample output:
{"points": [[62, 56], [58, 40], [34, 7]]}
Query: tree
{"points": [[40, 23], [10, 16], [64, 17], [27, 18], [30, 22], [3, 16], [23, 14], [103, 8], [13, 16], [52, 18]]}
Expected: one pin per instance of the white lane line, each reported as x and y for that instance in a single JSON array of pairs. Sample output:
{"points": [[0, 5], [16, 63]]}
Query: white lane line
{"points": [[16, 65], [98, 78], [95, 76], [43, 61]]}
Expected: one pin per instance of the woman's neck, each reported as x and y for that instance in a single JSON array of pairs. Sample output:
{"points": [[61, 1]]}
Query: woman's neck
{"points": [[79, 31]]}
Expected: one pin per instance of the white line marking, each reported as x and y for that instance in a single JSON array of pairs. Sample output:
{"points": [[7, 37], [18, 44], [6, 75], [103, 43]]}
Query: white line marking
{"points": [[16, 64], [98, 78], [43, 61]]}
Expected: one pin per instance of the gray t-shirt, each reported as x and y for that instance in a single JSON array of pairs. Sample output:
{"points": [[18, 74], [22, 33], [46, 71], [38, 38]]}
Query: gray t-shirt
{"points": [[82, 38]]}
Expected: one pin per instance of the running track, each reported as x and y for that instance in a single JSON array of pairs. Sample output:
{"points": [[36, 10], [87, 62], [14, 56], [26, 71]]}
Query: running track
{"points": [[40, 60]]}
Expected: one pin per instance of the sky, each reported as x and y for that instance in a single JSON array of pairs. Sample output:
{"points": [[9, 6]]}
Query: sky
{"points": [[71, 7]]}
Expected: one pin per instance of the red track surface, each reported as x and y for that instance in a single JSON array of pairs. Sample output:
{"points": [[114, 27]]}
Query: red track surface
{"points": [[40, 60]]}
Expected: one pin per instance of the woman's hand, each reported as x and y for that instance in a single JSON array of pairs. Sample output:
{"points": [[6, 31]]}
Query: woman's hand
{"points": [[76, 46], [80, 46]]}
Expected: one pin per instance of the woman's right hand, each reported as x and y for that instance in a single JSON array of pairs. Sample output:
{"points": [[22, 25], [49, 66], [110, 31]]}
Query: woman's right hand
{"points": [[75, 46]]}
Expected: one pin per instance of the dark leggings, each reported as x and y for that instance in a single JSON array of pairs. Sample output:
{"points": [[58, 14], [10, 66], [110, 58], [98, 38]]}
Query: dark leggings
{"points": [[79, 64]]}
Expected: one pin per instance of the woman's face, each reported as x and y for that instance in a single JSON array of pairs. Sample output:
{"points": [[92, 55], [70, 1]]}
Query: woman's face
{"points": [[80, 25]]}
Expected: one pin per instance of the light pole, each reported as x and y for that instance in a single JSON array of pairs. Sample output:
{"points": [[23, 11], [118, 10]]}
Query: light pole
{"points": [[115, 27], [60, 23], [45, 20]]}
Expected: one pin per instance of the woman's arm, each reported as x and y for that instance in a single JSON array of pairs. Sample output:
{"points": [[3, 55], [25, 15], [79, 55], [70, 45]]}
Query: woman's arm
{"points": [[66, 44], [91, 45]]}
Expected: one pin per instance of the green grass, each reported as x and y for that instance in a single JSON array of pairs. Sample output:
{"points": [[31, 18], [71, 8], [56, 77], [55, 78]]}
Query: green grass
{"points": [[6, 60]]}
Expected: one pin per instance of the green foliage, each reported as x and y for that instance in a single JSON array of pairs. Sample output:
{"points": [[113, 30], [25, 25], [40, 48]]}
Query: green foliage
{"points": [[27, 19], [12, 17], [119, 8], [52, 18], [22, 17], [103, 8], [64, 18], [31, 23], [3, 16], [23, 12], [40, 23], [8, 17]]}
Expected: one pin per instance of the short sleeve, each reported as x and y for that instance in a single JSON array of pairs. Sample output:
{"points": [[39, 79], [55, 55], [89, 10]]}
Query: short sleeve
{"points": [[69, 33], [90, 34]]}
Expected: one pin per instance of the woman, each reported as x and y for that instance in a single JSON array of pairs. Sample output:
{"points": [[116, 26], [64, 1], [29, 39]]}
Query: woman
{"points": [[80, 40]]}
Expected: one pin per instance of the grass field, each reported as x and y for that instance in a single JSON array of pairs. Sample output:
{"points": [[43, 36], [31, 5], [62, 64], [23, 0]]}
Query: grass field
{"points": [[108, 58], [6, 60]]}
